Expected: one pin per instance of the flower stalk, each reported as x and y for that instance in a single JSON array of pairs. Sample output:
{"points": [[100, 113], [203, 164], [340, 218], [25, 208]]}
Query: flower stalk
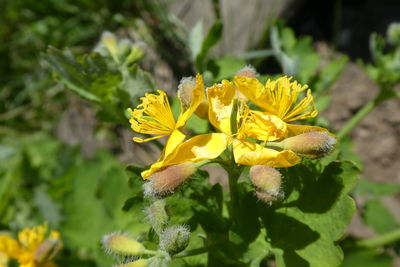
{"points": [[380, 240], [383, 95]]}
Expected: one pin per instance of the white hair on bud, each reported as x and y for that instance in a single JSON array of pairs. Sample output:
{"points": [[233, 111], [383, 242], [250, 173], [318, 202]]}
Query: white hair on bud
{"points": [[248, 69], [168, 238], [105, 238], [184, 80]]}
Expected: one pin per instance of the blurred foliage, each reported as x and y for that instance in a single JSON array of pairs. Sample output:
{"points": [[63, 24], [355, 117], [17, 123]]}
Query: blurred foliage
{"points": [[43, 179]]}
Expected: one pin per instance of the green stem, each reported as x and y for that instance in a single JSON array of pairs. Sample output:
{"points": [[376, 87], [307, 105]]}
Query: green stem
{"points": [[275, 144], [152, 252], [356, 119], [381, 240], [386, 92], [193, 252], [233, 175]]}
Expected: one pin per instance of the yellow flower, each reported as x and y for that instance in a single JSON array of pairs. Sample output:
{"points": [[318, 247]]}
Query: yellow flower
{"points": [[31, 249], [221, 102], [282, 99], [154, 116]]}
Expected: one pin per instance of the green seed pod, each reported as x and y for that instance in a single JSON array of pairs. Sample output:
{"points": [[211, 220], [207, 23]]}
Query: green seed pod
{"points": [[157, 215], [121, 244], [175, 239], [312, 145], [166, 181]]}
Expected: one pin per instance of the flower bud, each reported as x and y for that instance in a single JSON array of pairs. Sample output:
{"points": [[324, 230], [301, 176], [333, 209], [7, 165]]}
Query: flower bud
{"points": [[185, 94], [312, 145], [157, 216], [110, 41], [248, 71], [164, 182], [47, 250], [267, 181], [136, 263], [122, 244], [268, 197], [393, 33], [175, 239], [137, 52]]}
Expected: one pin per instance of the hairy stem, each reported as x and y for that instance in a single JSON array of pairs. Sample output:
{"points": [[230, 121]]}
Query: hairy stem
{"points": [[193, 252]]}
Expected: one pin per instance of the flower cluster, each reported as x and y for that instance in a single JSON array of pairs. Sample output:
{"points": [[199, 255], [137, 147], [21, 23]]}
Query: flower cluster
{"points": [[32, 248], [259, 122]]}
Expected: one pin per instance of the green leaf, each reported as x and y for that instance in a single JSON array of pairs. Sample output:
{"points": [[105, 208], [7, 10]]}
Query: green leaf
{"points": [[330, 74], [136, 82], [48, 208], [228, 66], [367, 258], [213, 36], [366, 187], [196, 38], [376, 215], [304, 228], [197, 125], [93, 206], [87, 76], [322, 102], [257, 251]]}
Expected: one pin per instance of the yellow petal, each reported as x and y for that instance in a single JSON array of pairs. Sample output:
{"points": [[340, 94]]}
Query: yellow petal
{"points": [[196, 149], [174, 140], [220, 100], [250, 153], [9, 246], [197, 98], [254, 91], [262, 126]]}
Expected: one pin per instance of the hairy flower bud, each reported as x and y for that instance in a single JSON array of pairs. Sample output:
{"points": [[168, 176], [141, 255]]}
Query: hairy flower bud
{"points": [[157, 216], [312, 145], [121, 244], [267, 181], [185, 94], [164, 182], [248, 71], [136, 263], [175, 239], [47, 250]]}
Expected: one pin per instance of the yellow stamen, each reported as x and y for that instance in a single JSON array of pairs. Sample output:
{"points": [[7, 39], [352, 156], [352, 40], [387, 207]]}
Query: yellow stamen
{"points": [[153, 116]]}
